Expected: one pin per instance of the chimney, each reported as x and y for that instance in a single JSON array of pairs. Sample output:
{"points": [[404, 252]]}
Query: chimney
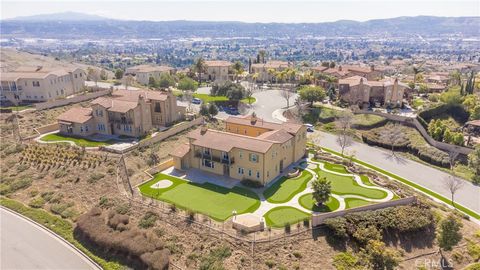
{"points": [[203, 129], [372, 68], [253, 118]]}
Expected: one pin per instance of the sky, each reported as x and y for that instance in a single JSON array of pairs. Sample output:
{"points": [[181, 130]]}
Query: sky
{"points": [[247, 10]]}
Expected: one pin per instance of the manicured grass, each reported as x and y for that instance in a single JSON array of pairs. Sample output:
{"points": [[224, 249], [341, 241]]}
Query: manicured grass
{"points": [[59, 226], [414, 185], [336, 168], [354, 202], [366, 180], [367, 119], [206, 98], [78, 141], [344, 185], [280, 216], [308, 202], [284, 189], [18, 108], [209, 199]]}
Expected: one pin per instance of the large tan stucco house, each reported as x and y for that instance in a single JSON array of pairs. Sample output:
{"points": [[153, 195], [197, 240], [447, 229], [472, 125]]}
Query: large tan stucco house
{"points": [[126, 112], [263, 69], [142, 73], [345, 71], [37, 84], [358, 90], [217, 70], [249, 149]]}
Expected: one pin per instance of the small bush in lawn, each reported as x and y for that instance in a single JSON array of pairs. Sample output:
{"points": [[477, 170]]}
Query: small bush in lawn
{"points": [[148, 220], [37, 202], [94, 177]]}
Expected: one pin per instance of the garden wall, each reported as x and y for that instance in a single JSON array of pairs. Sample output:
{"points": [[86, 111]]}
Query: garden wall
{"points": [[160, 167], [75, 99], [47, 128], [318, 219]]}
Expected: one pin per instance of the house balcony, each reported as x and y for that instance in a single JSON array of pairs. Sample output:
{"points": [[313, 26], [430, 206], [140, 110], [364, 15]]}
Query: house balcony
{"points": [[228, 160]]}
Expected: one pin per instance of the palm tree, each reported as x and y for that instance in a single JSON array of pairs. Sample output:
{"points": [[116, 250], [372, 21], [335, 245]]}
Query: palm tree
{"points": [[456, 77], [238, 69], [200, 67], [262, 54], [272, 72], [416, 72], [281, 76]]}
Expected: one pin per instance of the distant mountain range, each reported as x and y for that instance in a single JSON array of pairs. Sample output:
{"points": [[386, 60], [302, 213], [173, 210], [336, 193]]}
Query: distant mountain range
{"points": [[78, 25]]}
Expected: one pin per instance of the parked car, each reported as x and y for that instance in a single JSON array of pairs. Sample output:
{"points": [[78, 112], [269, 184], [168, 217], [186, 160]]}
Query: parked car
{"points": [[231, 110], [310, 128], [196, 101]]}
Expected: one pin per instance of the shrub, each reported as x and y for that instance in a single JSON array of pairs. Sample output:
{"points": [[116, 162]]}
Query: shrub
{"points": [[20, 184], [48, 196], [94, 177], [473, 250], [4, 189], [270, 264], [297, 255], [214, 260], [148, 220], [345, 261], [251, 183], [123, 208], [364, 234], [22, 167], [338, 226], [62, 209], [60, 173], [37, 202]]}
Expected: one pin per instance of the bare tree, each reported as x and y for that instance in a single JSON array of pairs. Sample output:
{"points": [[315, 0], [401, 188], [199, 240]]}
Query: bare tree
{"points": [[93, 74], [453, 184], [127, 80], [287, 93], [344, 121], [249, 91], [344, 140], [452, 157], [392, 135]]}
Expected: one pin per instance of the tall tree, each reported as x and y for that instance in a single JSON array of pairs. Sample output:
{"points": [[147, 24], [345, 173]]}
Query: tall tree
{"points": [[311, 94], [474, 163], [200, 67], [286, 94], [262, 56], [118, 73], [322, 189], [392, 135], [416, 72], [453, 184], [237, 69]]}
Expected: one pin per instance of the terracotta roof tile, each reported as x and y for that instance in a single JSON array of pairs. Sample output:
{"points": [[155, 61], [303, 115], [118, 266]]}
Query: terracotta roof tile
{"points": [[181, 150], [76, 115]]}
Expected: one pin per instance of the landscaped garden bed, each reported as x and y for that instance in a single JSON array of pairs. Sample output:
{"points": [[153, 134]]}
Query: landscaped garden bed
{"points": [[82, 142], [285, 188]]}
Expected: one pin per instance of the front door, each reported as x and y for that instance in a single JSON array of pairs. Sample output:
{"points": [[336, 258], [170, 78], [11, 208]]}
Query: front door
{"points": [[281, 165]]}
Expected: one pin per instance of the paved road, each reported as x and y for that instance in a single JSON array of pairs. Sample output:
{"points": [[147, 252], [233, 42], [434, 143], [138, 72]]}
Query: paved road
{"points": [[24, 245], [269, 101], [468, 195]]}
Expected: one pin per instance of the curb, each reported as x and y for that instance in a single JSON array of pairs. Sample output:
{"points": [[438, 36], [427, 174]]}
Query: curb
{"points": [[90, 260]]}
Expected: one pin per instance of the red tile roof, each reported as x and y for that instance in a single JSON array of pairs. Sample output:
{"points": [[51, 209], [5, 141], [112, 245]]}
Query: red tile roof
{"points": [[76, 115]]}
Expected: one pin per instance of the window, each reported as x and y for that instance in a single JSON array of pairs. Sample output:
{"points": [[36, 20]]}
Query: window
{"points": [[208, 163], [241, 154], [75, 76], [86, 128], [36, 83], [253, 158], [249, 172], [81, 129], [157, 107], [240, 170], [268, 173], [258, 174], [206, 151]]}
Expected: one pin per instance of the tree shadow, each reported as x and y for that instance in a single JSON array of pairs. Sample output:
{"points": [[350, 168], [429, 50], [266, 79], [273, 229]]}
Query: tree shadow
{"points": [[338, 244], [409, 240], [392, 157]]}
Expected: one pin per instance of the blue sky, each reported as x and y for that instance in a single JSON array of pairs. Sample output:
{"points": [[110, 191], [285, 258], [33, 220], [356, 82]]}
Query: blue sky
{"points": [[247, 11]]}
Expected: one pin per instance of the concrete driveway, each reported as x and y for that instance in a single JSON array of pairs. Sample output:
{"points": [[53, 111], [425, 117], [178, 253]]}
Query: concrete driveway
{"points": [[426, 176], [25, 245], [269, 101]]}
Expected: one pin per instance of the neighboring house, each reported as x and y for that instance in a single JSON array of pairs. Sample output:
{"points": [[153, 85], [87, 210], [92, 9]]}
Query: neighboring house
{"points": [[250, 148], [345, 71], [127, 112], [38, 84], [217, 71], [264, 70], [358, 90], [143, 73]]}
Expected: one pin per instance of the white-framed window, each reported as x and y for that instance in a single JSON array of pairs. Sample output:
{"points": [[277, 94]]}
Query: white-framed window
{"points": [[241, 154], [249, 172], [253, 158], [240, 170], [81, 129], [258, 174], [86, 128], [208, 163]]}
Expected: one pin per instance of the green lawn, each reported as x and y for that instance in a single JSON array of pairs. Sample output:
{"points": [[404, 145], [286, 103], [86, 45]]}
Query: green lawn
{"points": [[18, 108], [409, 183], [344, 185], [367, 119], [285, 188], [353, 202], [336, 167], [78, 141], [209, 199], [308, 202], [206, 98], [280, 216]]}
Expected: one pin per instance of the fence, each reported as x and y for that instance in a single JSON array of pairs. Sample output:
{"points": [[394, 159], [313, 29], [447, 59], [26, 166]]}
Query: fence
{"points": [[413, 122], [75, 99], [47, 128], [317, 219]]}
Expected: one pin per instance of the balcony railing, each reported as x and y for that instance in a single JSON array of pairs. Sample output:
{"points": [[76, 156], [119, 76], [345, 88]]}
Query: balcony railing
{"points": [[200, 154]]}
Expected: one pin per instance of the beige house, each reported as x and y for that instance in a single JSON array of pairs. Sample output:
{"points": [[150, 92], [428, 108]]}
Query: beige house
{"points": [[345, 71], [38, 84], [127, 112], [143, 73], [217, 71], [358, 90], [250, 148], [264, 70]]}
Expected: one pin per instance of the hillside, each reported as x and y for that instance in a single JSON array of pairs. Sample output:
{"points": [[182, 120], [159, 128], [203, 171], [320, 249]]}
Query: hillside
{"points": [[85, 26]]}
